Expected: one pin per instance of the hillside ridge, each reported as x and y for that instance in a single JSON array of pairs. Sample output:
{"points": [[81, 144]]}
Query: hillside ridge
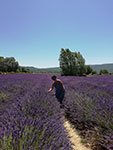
{"points": [[96, 67]]}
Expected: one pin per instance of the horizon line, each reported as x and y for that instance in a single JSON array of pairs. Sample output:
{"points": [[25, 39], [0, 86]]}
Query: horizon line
{"points": [[59, 66]]}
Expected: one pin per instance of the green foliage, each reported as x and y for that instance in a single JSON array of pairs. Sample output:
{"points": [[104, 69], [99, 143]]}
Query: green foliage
{"points": [[84, 140], [3, 97], [88, 69], [23, 69], [9, 64], [103, 71], [71, 63], [94, 72]]}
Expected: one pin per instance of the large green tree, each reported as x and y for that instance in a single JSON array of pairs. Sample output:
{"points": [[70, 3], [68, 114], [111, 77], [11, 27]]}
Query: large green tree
{"points": [[8, 64], [71, 63]]}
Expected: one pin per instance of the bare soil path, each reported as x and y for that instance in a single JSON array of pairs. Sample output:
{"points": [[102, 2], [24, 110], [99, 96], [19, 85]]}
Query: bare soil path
{"points": [[74, 136]]}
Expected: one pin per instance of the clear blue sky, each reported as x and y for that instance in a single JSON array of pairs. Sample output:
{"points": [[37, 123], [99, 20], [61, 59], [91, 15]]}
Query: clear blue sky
{"points": [[34, 31]]}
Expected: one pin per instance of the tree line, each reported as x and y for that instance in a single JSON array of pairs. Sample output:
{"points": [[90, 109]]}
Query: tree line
{"points": [[73, 64], [9, 64]]}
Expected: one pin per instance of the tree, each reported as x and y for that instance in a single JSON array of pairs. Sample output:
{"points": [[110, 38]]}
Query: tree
{"points": [[23, 69], [103, 71], [11, 64], [88, 69], [8, 64], [94, 72], [71, 63], [1, 63]]}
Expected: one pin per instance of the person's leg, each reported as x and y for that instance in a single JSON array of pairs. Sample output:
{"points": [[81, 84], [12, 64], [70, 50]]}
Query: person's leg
{"points": [[61, 104], [60, 99]]}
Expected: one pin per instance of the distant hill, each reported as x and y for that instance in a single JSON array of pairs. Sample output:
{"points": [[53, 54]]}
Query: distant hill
{"points": [[44, 70], [97, 67]]}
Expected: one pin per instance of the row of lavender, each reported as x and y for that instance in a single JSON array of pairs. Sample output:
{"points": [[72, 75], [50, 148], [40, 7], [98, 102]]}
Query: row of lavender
{"points": [[89, 102], [30, 118]]}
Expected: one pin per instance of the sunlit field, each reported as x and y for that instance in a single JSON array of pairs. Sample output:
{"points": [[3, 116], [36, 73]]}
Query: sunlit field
{"points": [[30, 117]]}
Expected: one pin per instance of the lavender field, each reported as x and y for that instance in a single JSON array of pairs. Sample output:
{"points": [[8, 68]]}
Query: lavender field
{"points": [[89, 106], [30, 117]]}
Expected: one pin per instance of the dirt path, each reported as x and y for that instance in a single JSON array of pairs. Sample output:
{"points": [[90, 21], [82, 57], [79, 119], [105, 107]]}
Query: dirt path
{"points": [[74, 137]]}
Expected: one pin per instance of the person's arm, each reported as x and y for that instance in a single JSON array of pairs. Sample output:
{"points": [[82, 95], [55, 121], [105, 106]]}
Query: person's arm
{"points": [[51, 88]]}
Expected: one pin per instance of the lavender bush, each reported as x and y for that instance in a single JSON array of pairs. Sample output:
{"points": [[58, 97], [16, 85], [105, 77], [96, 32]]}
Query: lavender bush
{"points": [[30, 118], [89, 103]]}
